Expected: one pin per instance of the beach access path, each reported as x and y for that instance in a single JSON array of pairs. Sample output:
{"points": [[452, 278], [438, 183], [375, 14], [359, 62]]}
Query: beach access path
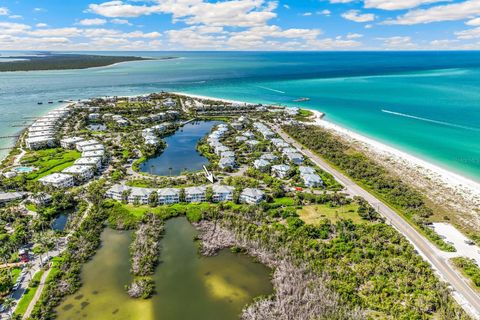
{"points": [[464, 294]]}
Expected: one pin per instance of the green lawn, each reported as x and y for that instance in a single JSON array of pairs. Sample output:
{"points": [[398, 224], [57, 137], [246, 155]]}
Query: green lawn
{"points": [[316, 213], [15, 273], [28, 295], [49, 161], [288, 202]]}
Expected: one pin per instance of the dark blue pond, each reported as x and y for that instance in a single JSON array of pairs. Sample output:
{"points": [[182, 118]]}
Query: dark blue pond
{"points": [[181, 154]]}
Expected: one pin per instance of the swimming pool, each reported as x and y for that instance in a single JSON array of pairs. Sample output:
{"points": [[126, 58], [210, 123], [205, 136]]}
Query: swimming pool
{"points": [[23, 169]]}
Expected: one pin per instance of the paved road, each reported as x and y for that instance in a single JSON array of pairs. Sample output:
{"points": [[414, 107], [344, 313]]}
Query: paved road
{"points": [[437, 258]]}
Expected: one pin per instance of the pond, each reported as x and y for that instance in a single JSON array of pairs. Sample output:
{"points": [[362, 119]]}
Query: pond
{"points": [[188, 286], [60, 222], [181, 154]]}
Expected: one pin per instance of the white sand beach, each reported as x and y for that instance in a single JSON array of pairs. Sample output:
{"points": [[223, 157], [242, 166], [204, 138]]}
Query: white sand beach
{"points": [[443, 187]]}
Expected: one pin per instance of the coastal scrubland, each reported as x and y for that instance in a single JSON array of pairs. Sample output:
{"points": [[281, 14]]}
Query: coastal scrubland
{"points": [[405, 199]]}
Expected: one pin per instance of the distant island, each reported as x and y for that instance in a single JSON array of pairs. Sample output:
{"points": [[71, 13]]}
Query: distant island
{"points": [[54, 61]]}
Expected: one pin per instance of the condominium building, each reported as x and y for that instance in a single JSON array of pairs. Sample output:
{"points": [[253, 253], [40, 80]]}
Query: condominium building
{"points": [[58, 180]]}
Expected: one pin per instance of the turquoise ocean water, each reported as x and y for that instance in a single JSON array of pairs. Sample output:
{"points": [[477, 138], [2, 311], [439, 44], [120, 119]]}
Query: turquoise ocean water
{"points": [[424, 103]]}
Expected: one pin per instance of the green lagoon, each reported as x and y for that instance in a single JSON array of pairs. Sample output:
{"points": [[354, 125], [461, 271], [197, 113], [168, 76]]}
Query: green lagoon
{"points": [[188, 286]]}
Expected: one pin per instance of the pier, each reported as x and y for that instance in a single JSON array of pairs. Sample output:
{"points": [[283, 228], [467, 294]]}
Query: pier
{"points": [[8, 137]]}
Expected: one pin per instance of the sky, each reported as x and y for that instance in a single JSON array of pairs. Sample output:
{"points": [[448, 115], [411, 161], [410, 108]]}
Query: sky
{"points": [[142, 25]]}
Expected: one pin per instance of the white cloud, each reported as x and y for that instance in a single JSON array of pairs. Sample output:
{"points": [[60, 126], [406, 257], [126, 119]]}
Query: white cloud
{"points": [[307, 14], [92, 22], [4, 11], [324, 12], [474, 22], [354, 36], [355, 15], [15, 16], [468, 34], [9, 28], [121, 21], [398, 4], [56, 32], [113, 9], [41, 25], [236, 13], [449, 12], [442, 44], [398, 42]]}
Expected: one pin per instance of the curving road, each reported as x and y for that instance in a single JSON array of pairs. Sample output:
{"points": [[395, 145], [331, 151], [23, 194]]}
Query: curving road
{"points": [[466, 296]]}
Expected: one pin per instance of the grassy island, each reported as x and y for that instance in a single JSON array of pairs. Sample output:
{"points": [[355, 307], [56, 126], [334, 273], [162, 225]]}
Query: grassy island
{"points": [[65, 61]]}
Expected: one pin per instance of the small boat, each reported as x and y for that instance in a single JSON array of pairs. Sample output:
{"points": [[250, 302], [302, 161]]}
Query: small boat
{"points": [[39, 102], [50, 102], [60, 101], [301, 100]]}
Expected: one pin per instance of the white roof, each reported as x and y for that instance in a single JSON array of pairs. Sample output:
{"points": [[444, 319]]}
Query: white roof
{"points": [[253, 193], [281, 167], [168, 192], [77, 169], [55, 178], [96, 153], [195, 190], [222, 189]]}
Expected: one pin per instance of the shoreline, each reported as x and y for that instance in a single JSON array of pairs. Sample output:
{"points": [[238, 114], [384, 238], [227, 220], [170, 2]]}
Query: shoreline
{"points": [[449, 176]]}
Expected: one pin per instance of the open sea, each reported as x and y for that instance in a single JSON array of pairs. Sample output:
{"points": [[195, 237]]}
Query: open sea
{"points": [[424, 103]]}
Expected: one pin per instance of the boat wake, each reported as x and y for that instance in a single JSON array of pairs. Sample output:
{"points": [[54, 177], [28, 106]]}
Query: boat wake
{"points": [[270, 89], [449, 124]]}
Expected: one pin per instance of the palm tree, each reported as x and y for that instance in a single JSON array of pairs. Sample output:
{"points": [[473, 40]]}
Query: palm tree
{"points": [[9, 303], [170, 169]]}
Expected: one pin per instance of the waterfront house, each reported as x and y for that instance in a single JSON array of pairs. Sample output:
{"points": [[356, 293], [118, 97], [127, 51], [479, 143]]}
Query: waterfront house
{"points": [[195, 194], [312, 180], [288, 150], [248, 135], [295, 157], [40, 142], [281, 170], [93, 154], [140, 195], [168, 196], [70, 143], [122, 123], [222, 193], [172, 114], [306, 170], [237, 125], [169, 103], [252, 196], [81, 144], [220, 149], [280, 143], [93, 116], [269, 157], [58, 180], [227, 154], [252, 144], [143, 119], [227, 162], [240, 139], [262, 165], [80, 173], [116, 192], [93, 147], [89, 162], [6, 197]]}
